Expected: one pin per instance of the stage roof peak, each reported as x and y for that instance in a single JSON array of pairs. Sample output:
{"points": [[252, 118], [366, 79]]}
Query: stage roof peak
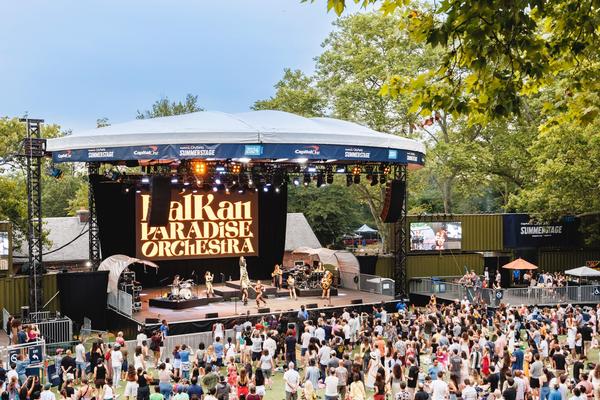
{"points": [[255, 134]]}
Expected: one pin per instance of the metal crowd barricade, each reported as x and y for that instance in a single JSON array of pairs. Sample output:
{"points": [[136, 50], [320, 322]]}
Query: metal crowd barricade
{"points": [[514, 296], [121, 302], [192, 340]]}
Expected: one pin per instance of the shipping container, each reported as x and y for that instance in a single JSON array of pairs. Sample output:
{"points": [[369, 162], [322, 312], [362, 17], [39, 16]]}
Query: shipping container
{"points": [[14, 293], [561, 260]]}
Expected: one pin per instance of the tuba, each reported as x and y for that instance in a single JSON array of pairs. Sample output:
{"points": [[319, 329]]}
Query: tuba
{"points": [[327, 280]]}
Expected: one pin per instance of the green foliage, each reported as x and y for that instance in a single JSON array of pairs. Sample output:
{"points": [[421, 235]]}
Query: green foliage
{"points": [[164, 107], [330, 210], [58, 194], [295, 93]]}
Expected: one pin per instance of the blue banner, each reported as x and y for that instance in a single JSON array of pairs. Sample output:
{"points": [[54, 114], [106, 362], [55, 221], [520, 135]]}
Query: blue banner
{"points": [[253, 151]]}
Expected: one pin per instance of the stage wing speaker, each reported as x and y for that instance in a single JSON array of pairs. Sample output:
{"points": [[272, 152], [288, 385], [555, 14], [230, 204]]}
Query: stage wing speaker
{"points": [[212, 315], [394, 201], [160, 200], [151, 321], [356, 301], [312, 305], [264, 310]]}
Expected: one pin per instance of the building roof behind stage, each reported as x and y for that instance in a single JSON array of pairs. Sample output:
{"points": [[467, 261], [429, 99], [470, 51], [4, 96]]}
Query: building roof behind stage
{"points": [[298, 233], [69, 241], [272, 129]]}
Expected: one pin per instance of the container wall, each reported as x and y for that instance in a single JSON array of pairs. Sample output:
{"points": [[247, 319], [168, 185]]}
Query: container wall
{"points": [[446, 265], [561, 260], [14, 293]]}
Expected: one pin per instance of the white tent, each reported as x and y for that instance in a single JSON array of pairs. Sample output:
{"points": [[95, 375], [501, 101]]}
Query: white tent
{"points": [[115, 265], [583, 272], [267, 126], [366, 229]]}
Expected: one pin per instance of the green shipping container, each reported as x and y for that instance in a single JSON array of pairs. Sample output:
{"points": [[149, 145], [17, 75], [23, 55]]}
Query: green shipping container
{"points": [[14, 293], [554, 261]]}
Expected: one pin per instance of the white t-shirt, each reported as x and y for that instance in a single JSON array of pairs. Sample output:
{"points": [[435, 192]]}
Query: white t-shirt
{"points": [[331, 384], [140, 338], [320, 334], [469, 393], [80, 353], [219, 330], [439, 389], [324, 355], [116, 358], [108, 392], [305, 339], [47, 395], [292, 380], [271, 345]]}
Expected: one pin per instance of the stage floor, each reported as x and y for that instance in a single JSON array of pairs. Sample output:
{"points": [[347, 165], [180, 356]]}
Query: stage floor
{"points": [[228, 309]]}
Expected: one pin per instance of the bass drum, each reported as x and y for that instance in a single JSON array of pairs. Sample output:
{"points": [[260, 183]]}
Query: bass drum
{"points": [[174, 291], [185, 293]]}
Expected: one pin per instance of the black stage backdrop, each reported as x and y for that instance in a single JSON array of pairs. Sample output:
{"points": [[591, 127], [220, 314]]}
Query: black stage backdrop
{"points": [[116, 221], [83, 294]]}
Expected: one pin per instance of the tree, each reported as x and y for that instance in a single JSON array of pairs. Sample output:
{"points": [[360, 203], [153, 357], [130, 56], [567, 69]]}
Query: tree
{"points": [[163, 107], [329, 210], [295, 93], [495, 54]]}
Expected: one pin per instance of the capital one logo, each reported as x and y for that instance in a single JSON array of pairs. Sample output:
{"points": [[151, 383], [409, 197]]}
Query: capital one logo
{"points": [[147, 151], [308, 150]]}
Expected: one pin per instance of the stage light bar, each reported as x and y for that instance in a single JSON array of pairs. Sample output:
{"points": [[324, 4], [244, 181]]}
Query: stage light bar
{"points": [[387, 169], [340, 170], [312, 169], [174, 180], [356, 170], [236, 169], [220, 169], [145, 180]]}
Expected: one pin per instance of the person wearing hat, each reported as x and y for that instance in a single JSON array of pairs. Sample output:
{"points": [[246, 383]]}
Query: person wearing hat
{"points": [[46, 393], [116, 358]]}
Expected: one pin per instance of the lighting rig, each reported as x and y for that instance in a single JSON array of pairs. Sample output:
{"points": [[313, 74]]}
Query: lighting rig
{"points": [[239, 177]]}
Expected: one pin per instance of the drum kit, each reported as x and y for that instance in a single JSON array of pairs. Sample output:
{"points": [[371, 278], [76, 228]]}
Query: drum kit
{"points": [[182, 291], [306, 278]]}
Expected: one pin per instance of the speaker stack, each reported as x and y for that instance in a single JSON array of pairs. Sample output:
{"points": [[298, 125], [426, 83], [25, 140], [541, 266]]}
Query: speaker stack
{"points": [[395, 193], [160, 200]]}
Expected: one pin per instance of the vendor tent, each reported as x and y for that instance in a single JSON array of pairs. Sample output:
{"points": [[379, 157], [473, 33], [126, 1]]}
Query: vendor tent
{"points": [[365, 229], [520, 264], [115, 265], [583, 272]]}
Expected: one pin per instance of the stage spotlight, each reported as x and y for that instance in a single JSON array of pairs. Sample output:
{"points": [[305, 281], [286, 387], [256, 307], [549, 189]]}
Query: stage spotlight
{"points": [[357, 179], [320, 180], [138, 191], [296, 182], [277, 190], [340, 170], [348, 179], [187, 183], [199, 167], [236, 169], [374, 180], [215, 189], [311, 169], [265, 189], [145, 180], [174, 180], [387, 169], [220, 169], [356, 170], [217, 181], [194, 191]]}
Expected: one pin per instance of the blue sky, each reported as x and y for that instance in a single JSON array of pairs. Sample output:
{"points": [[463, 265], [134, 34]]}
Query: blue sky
{"points": [[73, 61]]}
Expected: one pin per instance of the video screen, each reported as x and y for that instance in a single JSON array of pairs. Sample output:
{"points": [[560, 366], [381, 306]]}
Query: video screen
{"points": [[435, 236]]}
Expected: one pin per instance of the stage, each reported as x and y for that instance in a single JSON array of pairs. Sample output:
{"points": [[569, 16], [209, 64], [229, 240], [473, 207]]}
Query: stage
{"points": [[218, 307]]}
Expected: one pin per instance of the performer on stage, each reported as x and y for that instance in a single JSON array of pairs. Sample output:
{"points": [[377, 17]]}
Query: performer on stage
{"points": [[176, 280], [291, 284], [244, 280], [277, 276], [208, 277], [320, 268], [259, 289], [326, 284]]}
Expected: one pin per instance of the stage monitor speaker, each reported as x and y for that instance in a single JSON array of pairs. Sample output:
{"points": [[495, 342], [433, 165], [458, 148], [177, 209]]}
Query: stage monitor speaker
{"points": [[212, 315], [356, 301], [264, 310], [394, 201], [150, 321], [312, 305], [160, 200]]}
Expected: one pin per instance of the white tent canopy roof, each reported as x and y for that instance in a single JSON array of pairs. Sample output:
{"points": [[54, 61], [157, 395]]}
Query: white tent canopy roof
{"points": [[267, 126], [342, 259], [583, 272], [366, 229], [115, 265]]}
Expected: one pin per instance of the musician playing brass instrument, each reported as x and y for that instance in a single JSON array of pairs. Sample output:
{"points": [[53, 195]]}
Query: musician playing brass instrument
{"points": [[244, 280], [208, 277], [277, 276], [259, 289], [291, 284], [326, 283]]}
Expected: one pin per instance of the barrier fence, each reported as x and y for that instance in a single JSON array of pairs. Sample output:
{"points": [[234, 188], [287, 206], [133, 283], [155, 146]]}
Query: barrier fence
{"points": [[514, 296], [367, 283], [121, 302]]}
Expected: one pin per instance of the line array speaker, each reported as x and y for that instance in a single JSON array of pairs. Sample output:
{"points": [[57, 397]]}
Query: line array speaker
{"points": [[312, 305], [160, 200], [394, 201], [356, 301], [264, 310], [212, 315]]}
